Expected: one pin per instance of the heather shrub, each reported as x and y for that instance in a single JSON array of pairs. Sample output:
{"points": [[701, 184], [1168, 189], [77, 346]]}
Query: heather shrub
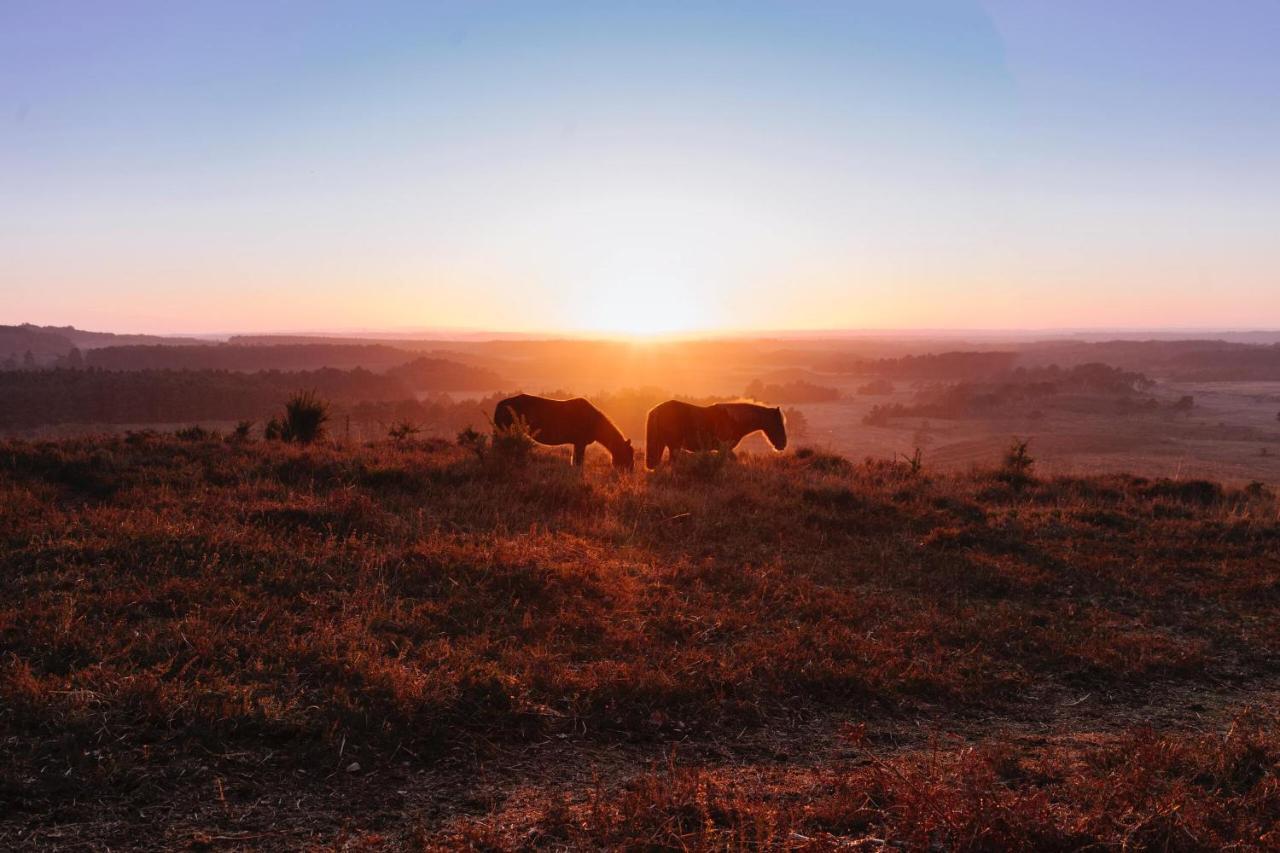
{"points": [[1015, 468], [403, 430], [823, 462], [704, 464], [305, 415], [195, 433], [513, 444], [473, 441]]}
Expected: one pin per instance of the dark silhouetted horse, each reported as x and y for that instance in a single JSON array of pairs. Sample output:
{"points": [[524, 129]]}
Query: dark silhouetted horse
{"points": [[681, 426], [575, 422]]}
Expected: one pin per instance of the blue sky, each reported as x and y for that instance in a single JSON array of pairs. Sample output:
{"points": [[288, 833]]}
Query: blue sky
{"points": [[639, 167]]}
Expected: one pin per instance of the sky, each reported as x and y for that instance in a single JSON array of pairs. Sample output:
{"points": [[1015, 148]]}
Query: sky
{"points": [[640, 168]]}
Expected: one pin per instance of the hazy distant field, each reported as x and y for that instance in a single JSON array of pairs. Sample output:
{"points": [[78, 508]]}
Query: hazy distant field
{"points": [[1232, 434]]}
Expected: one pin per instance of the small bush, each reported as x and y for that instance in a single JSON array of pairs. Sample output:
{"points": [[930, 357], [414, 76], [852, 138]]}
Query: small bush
{"points": [[1259, 491], [880, 414], [826, 463], [476, 442], [195, 433], [1017, 461], [403, 431], [1199, 492], [704, 464], [140, 437], [242, 432], [512, 445], [304, 417], [875, 388]]}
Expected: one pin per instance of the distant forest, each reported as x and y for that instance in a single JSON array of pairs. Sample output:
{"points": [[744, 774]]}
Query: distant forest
{"points": [[36, 397], [1018, 386], [228, 357], [932, 366], [1182, 361]]}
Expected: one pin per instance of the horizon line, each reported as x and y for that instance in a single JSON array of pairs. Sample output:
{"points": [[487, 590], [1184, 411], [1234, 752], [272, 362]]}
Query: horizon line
{"points": [[481, 333]]}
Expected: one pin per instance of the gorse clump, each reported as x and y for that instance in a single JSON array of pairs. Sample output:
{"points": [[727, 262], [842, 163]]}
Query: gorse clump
{"points": [[402, 431], [305, 415], [1017, 461], [473, 441], [514, 443], [510, 446], [195, 433], [704, 464]]}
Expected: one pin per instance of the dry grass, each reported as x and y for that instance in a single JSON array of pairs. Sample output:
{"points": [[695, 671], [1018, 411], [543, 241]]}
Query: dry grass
{"points": [[1138, 790], [200, 637]]}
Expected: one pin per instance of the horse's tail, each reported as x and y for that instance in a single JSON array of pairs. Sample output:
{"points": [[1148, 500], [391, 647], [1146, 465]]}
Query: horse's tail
{"points": [[653, 444]]}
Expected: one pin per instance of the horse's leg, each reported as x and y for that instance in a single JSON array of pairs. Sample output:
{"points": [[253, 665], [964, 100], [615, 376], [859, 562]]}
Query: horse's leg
{"points": [[579, 454]]}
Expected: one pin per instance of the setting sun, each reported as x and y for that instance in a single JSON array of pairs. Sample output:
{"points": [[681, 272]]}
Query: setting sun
{"points": [[656, 286], [640, 307]]}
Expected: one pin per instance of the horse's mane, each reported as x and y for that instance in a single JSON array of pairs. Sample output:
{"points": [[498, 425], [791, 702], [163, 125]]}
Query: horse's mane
{"points": [[608, 422], [745, 401]]}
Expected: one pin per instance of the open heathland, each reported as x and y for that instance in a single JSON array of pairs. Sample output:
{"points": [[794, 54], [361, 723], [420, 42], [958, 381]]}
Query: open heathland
{"points": [[227, 643]]}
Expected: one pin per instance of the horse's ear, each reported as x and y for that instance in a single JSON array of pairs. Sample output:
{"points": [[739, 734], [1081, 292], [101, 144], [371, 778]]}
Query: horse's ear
{"points": [[628, 442]]}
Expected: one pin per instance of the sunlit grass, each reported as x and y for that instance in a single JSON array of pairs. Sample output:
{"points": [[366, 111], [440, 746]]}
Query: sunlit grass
{"points": [[219, 602]]}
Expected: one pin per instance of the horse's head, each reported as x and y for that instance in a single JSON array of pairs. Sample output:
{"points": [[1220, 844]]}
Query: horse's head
{"points": [[625, 458], [775, 429]]}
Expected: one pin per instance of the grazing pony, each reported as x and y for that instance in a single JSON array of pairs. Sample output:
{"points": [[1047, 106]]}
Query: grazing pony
{"points": [[575, 422], [683, 426]]}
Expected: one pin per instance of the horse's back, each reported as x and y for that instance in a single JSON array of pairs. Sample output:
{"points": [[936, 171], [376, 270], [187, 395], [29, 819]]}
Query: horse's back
{"points": [[682, 424], [671, 416], [570, 421], [676, 409]]}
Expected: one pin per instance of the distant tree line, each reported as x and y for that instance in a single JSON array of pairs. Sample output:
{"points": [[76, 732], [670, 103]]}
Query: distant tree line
{"points": [[1241, 364], [1182, 360], [1022, 385], [939, 366], [798, 391], [875, 388], [249, 358], [33, 398]]}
